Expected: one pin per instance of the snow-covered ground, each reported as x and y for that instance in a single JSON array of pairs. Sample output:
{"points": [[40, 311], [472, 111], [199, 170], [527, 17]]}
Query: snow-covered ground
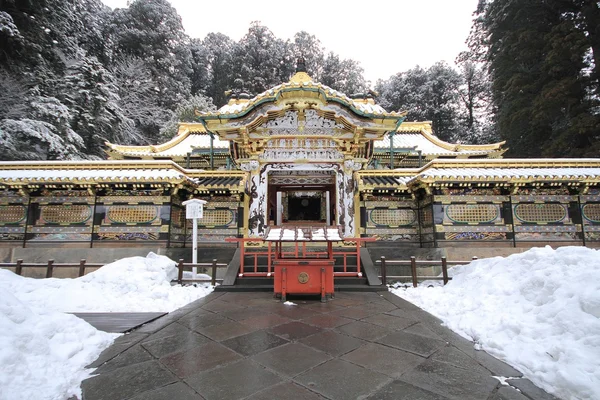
{"points": [[539, 311], [44, 350]]}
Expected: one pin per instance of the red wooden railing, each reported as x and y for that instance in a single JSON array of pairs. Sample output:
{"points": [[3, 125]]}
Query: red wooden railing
{"points": [[262, 257]]}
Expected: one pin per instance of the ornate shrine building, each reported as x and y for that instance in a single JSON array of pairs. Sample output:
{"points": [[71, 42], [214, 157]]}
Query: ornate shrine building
{"points": [[302, 153]]}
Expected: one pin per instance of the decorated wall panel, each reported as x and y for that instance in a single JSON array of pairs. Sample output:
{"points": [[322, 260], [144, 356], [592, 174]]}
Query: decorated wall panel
{"points": [[129, 215], [590, 215], [545, 215], [471, 214], [13, 216], [427, 222], [178, 224], [392, 220], [65, 216]]}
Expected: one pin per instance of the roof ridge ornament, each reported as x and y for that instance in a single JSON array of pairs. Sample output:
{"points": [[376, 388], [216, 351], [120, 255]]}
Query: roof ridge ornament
{"points": [[301, 65], [301, 75]]}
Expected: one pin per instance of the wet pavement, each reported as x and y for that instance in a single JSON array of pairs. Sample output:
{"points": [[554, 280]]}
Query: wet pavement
{"points": [[251, 346]]}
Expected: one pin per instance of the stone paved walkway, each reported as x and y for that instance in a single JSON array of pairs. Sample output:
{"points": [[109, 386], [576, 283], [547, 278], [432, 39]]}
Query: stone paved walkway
{"points": [[251, 346]]}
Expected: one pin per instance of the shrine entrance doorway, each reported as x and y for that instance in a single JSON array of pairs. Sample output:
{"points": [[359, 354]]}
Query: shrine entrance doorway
{"points": [[302, 199], [305, 207]]}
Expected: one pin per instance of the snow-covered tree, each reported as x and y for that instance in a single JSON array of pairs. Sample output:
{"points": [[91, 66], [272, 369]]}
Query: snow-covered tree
{"points": [[261, 60], [343, 75], [428, 95], [45, 135], [152, 30], [219, 66], [89, 91], [309, 48], [137, 92]]}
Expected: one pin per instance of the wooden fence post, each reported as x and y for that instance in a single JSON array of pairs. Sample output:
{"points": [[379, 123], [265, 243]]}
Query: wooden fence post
{"points": [[50, 268], [82, 267], [180, 271], [19, 269], [383, 271], [413, 268], [445, 270], [213, 280]]}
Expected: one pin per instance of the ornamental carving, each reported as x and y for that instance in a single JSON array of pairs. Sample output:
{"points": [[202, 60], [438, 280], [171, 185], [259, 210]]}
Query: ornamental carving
{"points": [[250, 165], [313, 124], [301, 154], [352, 165]]}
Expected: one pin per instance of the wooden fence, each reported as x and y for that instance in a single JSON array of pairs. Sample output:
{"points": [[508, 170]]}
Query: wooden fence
{"points": [[181, 266], [413, 263], [50, 266]]}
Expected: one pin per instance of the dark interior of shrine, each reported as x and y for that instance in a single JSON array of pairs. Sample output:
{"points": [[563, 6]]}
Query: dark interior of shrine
{"points": [[304, 209]]}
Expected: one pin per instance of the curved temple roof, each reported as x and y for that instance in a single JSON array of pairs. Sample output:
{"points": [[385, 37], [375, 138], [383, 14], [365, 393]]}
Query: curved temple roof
{"points": [[418, 136], [302, 81], [510, 171], [363, 119], [190, 137]]}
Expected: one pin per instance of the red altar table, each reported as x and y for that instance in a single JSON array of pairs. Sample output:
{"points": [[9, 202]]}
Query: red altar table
{"points": [[297, 274]]}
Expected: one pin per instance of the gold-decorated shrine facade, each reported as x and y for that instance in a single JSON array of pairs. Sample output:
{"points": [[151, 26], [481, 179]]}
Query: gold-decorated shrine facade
{"points": [[302, 154], [499, 203], [108, 203]]}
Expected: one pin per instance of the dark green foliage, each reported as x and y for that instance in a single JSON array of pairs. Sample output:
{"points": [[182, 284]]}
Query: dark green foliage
{"points": [[542, 82]]}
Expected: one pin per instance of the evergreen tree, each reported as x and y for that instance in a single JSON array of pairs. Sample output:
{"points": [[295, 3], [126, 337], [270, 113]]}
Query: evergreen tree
{"points": [[261, 60], [152, 31], [137, 92], [427, 95], [541, 90], [186, 112], [476, 112], [219, 68], [199, 76], [92, 97], [309, 48], [343, 75], [43, 134]]}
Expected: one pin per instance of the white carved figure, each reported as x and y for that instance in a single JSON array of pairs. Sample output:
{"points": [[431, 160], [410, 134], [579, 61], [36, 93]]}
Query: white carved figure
{"points": [[250, 165]]}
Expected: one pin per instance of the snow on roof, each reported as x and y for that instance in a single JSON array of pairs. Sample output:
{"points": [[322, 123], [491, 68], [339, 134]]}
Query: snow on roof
{"points": [[526, 172], [419, 142], [49, 175], [385, 181], [190, 142], [303, 79]]}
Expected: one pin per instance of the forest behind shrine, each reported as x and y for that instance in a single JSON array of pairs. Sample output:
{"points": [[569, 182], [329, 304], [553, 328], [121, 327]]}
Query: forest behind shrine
{"points": [[75, 74]]}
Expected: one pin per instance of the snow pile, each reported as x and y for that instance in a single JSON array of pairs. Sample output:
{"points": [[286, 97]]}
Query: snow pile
{"points": [[539, 311], [43, 354], [134, 284]]}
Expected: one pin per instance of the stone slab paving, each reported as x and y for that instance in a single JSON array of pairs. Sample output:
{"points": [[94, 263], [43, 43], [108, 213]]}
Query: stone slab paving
{"points": [[251, 346]]}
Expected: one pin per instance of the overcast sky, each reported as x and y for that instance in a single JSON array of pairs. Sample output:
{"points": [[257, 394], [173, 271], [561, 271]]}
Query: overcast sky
{"points": [[386, 37]]}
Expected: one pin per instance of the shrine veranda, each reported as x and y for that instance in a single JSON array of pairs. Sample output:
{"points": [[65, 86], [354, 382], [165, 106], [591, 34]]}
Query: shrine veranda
{"points": [[302, 154]]}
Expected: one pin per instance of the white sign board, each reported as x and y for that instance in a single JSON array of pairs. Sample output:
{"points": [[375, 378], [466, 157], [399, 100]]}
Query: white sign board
{"points": [[194, 208]]}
